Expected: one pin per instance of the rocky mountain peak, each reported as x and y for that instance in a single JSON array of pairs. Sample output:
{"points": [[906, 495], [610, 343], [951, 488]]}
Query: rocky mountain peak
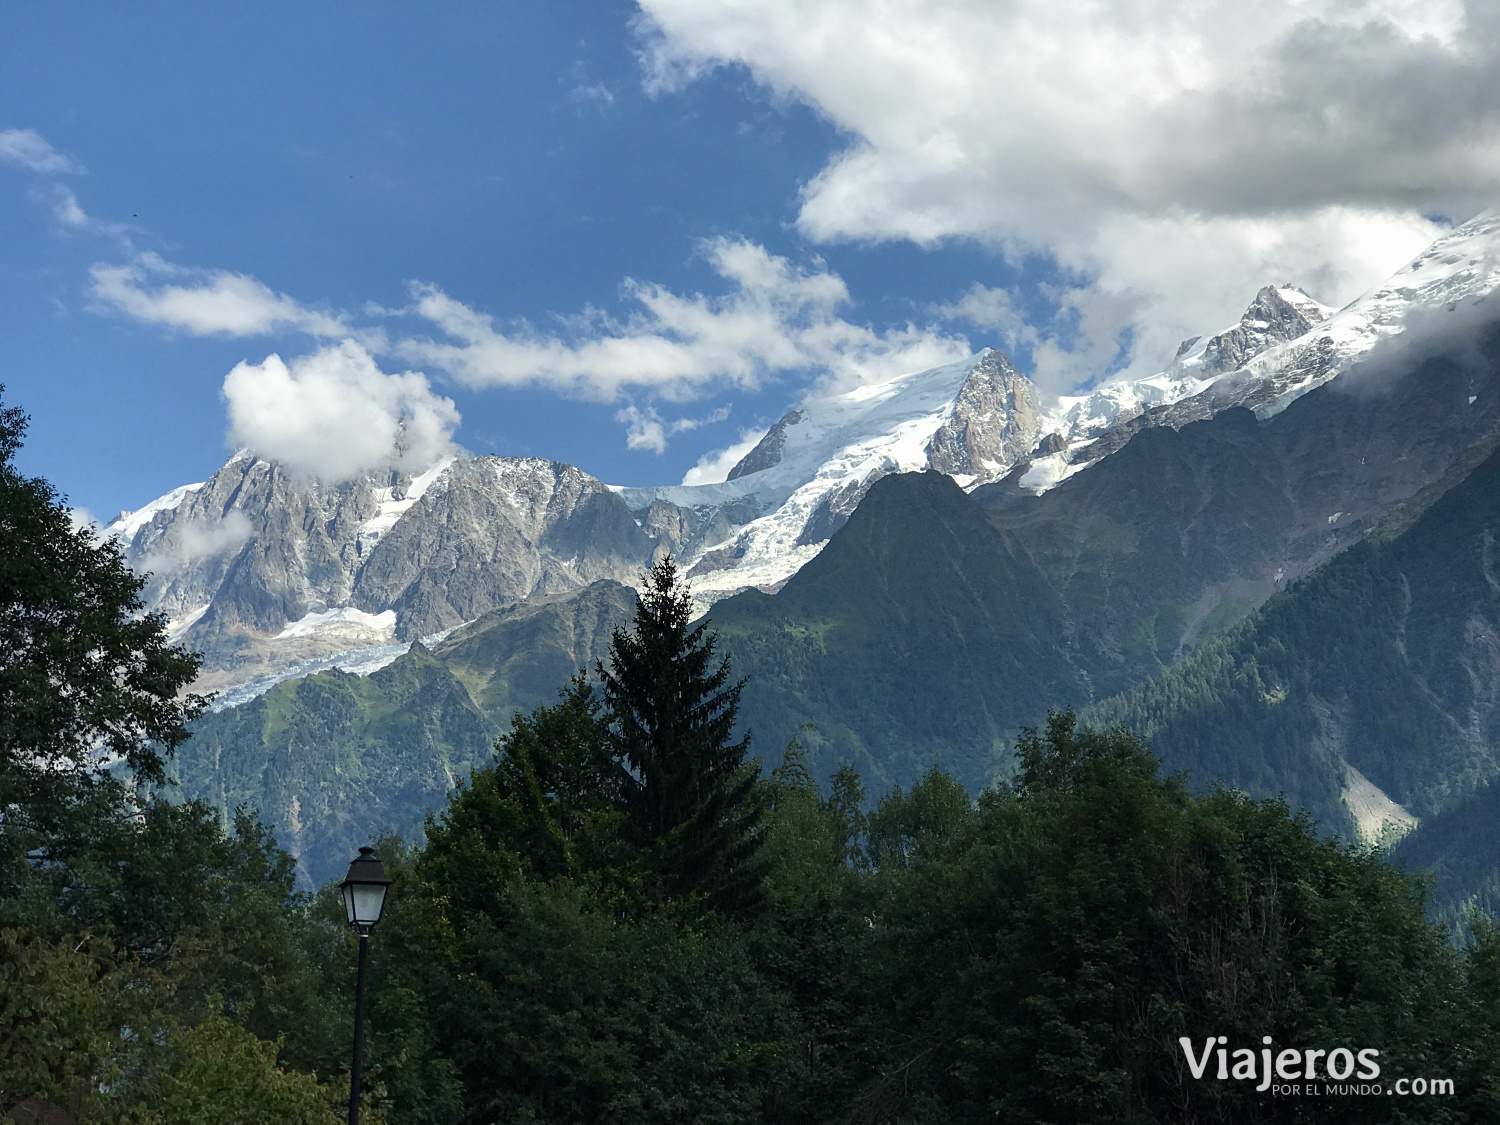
{"points": [[767, 451], [994, 422], [259, 567], [1278, 313]]}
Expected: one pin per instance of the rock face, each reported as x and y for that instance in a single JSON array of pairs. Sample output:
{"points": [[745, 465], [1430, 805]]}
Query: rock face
{"points": [[259, 568], [993, 424], [256, 547], [495, 531], [1278, 314], [767, 451]]}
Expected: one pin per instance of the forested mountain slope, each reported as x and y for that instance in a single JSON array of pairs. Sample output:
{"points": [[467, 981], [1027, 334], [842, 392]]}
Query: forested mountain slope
{"points": [[921, 635], [935, 624], [1183, 531], [326, 757], [1386, 661]]}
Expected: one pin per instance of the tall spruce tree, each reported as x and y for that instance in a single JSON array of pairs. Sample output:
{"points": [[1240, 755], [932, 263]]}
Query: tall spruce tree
{"points": [[670, 712]]}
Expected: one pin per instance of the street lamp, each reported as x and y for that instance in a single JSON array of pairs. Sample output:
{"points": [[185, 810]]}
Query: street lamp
{"points": [[364, 899]]}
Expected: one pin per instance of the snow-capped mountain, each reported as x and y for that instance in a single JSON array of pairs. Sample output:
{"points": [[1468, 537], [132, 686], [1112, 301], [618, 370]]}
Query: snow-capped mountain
{"points": [[263, 570], [976, 420], [1271, 367], [973, 420]]}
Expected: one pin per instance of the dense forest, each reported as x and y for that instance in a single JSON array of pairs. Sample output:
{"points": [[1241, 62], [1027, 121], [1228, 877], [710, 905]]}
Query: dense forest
{"points": [[1382, 661], [625, 917]]}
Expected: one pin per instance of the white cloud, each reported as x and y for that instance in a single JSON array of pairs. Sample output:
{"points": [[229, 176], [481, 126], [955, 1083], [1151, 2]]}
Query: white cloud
{"points": [[187, 543], [70, 213], [776, 318], [66, 208], [1173, 156], [714, 467], [596, 93], [646, 429], [205, 302], [30, 150], [334, 413], [994, 309]]}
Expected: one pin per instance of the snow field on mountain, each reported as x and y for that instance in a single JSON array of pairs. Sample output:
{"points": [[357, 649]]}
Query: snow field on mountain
{"points": [[767, 524]]}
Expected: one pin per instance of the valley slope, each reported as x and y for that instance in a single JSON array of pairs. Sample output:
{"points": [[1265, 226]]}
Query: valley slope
{"points": [[1053, 554]]}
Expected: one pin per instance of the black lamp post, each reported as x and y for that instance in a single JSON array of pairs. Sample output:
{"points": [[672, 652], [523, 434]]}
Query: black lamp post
{"points": [[364, 898]]}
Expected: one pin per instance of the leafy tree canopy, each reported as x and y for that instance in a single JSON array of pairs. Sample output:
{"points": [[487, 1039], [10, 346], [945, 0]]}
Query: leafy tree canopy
{"points": [[85, 680]]}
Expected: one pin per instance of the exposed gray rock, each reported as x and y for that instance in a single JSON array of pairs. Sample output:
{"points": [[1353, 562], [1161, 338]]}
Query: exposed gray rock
{"points": [[261, 544], [688, 531], [257, 548], [767, 451], [493, 531], [993, 424], [834, 510], [1271, 319], [1052, 443]]}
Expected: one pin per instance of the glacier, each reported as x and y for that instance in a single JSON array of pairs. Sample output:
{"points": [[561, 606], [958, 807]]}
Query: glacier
{"points": [[326, 572]]}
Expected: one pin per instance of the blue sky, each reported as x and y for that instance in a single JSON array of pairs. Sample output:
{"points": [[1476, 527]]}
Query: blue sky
{"points": [[626, 236]]}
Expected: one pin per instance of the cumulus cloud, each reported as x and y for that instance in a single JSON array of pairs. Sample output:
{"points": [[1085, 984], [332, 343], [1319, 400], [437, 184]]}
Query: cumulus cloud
{"points": [[204, 302], [777, 317], [1170, 156], [646, 429], [334, 413], [30, 150], [712, 468]]}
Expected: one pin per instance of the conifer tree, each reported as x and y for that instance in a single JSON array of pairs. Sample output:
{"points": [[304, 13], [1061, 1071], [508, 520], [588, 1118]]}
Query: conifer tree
{"points": [[670, 712]]}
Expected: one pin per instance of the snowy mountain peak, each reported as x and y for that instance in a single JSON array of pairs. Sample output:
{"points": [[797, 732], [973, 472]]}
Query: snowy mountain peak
{"points": [[1259, 364], [256, 557], [994, 422], [1277, 314], [973, 419], [1463, 266]]}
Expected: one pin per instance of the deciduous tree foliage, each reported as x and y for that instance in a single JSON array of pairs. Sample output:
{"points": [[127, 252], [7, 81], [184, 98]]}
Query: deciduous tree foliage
{"points": [[121, 913], [84, 678]]}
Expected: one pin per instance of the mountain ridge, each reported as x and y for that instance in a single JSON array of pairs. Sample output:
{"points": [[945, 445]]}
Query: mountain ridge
{"points": [[266, 572]]}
